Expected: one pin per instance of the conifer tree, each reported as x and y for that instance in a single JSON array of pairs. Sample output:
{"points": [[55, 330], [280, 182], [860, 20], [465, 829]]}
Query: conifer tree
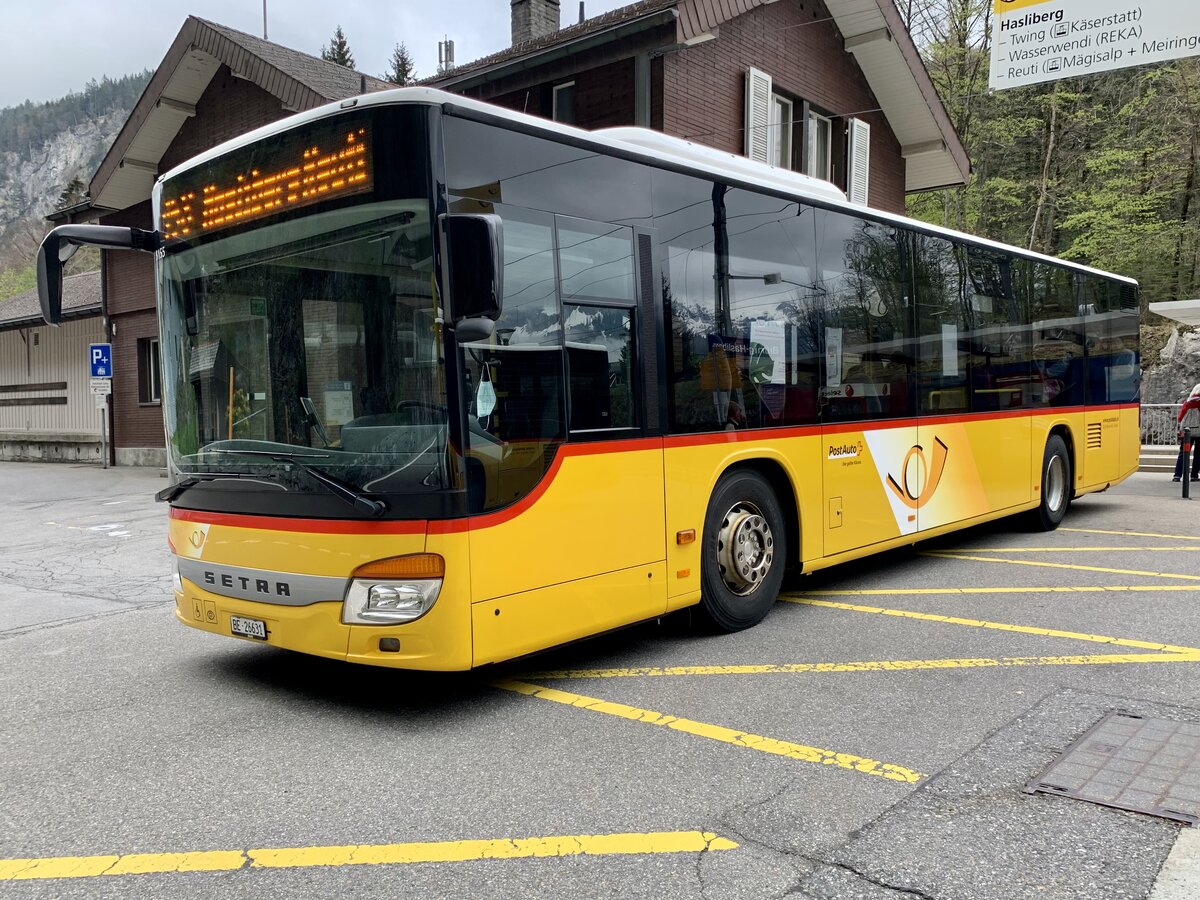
{"points": [[73, 193], [338, 50], [401, 71]]}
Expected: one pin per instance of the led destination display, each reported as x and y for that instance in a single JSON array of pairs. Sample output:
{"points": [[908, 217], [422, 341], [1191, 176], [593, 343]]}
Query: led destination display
{"points": [[300, 168]]}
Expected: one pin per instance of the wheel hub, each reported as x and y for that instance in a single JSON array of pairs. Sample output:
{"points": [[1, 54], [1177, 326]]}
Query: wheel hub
{"points": [[745, 548], [1056, 482]]}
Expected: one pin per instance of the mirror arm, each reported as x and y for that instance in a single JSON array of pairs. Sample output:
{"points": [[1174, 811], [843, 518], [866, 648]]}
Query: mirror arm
{"points": [[66, 237]]}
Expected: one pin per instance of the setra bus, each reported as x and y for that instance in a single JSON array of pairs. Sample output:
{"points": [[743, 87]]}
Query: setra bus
{"points": [[444, 384]]}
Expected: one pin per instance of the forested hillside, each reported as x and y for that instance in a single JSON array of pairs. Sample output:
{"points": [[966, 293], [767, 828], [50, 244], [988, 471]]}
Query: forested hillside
{"points": [[1101, 169], [48, 152]]}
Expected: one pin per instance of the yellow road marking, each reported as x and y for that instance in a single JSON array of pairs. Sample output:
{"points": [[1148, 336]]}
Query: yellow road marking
{"points": [[718, 733], [885, 665], [362, 854], [1072, 550], [943, 554], [999, 626], [1058, 589], [1177, 537]]}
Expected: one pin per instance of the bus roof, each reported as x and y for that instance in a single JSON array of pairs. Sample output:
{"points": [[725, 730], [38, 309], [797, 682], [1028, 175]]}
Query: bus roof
{"points": [[646, 144]]}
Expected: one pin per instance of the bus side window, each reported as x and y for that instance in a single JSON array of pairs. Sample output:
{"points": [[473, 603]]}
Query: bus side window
{"points": [[999, 343], [868, 340], [1047, 296], [942, 326]]}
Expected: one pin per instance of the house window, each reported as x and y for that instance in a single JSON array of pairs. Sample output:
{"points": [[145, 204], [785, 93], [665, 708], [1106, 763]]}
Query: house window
{"points": [[564, 103], [149, 374], [820, 147], [781, 132]]}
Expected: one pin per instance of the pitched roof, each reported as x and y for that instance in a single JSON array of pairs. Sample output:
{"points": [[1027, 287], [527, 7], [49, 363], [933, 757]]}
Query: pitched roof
{"points": [[873, 30], [80, 299], [300, 81], [585, 28]]}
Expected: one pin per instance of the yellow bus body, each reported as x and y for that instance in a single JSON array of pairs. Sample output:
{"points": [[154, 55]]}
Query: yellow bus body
{"points": [[602, 541]]}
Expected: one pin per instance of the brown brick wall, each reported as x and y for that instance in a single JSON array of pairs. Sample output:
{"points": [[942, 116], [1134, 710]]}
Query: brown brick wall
{"points": [[793, 41], [603, 96], [134, 424], [228, 108]]}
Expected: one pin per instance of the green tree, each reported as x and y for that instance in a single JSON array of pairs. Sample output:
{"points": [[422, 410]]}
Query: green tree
{"points": [[338, 50], [1103, 169], [74, 192], [401, 71]]}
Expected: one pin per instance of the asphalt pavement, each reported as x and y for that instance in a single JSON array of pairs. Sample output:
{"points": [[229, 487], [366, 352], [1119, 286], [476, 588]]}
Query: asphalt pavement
{"points": [[871, 739]]}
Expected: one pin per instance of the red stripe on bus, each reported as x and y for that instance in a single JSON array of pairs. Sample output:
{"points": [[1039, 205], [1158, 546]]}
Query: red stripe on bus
{"points": [[314, 526], [490, 520]]}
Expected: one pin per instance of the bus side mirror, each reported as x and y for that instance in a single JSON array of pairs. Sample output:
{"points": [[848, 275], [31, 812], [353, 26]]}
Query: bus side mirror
{"points": [[475, 264], [58, 246]]}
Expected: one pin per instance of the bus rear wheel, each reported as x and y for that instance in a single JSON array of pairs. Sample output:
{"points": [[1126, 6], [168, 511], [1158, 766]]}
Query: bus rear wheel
{"points": [[744, 552], [1056, 485]]}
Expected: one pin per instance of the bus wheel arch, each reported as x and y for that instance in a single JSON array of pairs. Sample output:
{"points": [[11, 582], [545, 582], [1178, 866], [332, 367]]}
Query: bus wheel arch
{"points": [[750, 527], [1057, 475]]}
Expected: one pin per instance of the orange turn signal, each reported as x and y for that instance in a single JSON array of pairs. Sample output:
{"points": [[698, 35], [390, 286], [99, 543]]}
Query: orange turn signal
{"points": [[416, 565], [685, 537]]}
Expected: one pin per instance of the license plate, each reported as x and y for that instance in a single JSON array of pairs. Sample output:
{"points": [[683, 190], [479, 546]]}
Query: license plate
{"points": [[255, 628]]}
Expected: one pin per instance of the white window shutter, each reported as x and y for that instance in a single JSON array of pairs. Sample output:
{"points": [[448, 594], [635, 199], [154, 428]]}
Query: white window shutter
{"points": [[858, 162], [758, 115]]}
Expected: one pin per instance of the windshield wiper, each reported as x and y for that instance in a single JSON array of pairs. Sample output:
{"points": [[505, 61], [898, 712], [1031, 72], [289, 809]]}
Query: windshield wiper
{"points": [[339, 488], [194, 478]]}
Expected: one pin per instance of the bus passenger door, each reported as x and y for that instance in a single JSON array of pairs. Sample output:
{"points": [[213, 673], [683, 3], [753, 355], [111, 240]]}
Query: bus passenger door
{"points": [[579, 549]]}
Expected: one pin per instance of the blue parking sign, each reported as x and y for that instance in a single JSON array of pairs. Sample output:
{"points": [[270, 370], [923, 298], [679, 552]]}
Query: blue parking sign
{"points": [[100, 356]]}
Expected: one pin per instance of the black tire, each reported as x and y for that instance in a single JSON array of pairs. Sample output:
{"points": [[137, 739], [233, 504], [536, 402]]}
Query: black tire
{"points": [[737, 592], [1056, 485]]}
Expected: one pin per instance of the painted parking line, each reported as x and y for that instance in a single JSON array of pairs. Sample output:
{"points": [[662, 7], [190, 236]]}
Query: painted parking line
{"points": [[947, 554], [883, 665], [998, 626], [800, 752], [1076, 550], [1177, 537], [363, 854]]}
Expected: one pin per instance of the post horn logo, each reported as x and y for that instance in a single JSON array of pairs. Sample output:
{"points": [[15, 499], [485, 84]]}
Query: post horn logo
{"points": [[196, 538], [920, 477]]}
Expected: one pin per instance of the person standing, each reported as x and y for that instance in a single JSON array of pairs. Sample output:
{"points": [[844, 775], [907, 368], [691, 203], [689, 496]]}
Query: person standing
{"points": [[1189, 417]]}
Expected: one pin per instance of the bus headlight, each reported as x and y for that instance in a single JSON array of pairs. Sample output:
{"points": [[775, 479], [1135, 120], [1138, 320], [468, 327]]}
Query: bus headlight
{"points": [[383, 602], [381, 594]]}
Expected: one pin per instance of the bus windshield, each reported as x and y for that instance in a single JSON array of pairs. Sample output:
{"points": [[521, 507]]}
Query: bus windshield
{"points": [[314, 338]]}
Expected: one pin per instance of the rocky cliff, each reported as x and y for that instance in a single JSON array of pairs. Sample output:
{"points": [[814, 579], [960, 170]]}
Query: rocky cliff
{"points": [[32, 181]]}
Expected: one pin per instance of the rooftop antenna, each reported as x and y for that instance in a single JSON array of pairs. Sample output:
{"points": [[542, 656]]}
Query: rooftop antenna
{"points": [[265, 19], [445, 56]]}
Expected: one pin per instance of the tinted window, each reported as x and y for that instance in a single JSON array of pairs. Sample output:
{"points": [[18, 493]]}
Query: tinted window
{"points": [[999, 374], [1111, 322], [600, 363], [595, 260], [943, 326], [740, 286], [868, 353], [1047, 294]]}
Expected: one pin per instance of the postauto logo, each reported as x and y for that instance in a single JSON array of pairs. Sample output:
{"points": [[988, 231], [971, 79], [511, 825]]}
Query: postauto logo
{"points": [[845, 451], [919, 478]]}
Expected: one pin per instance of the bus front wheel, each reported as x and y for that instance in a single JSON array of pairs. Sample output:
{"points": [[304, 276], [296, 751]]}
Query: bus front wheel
{"points": [[1056, 485], [744, 552]]}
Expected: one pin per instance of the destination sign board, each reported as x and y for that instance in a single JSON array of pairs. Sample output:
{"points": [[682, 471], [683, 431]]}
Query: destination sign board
{"points": [[307, 165], [1045, 40]]}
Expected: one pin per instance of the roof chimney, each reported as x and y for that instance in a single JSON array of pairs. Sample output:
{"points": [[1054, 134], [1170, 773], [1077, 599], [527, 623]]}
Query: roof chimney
{"points": [[532, 19]]}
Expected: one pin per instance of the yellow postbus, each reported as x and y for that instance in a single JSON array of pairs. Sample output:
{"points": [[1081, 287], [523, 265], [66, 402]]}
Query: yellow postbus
{"points": [[444, 384]]}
